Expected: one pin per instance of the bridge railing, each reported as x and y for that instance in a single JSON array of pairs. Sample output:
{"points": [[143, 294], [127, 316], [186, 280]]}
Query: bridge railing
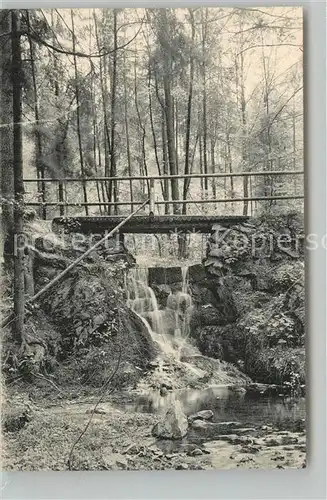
{"points": [[63, 204]]}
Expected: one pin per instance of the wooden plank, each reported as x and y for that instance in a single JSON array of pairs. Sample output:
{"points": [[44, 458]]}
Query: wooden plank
{"points": [[175, 176], [170, 202], [145, 224]]}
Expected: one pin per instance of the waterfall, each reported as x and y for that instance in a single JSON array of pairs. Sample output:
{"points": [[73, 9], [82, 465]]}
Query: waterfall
{"points": [[169, 327]]}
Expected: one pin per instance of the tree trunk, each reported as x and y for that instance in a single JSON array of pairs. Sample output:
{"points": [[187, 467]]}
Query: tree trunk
{"points": [[57, 139], [113, 191], [176, 134], [204, 102], [225, 178], [78, 118], [95, 134], [38, 140], [142, 127], [165, 43], [213, 167], [103, 193], [155, 145], [6, 138], [201, 165], [189, 116], [19, 286], [128, 149], [230, 168], [165, 162], [294, 146], [104, 92], [244, 139], [171, 141], [165, 166], [268, 183]]}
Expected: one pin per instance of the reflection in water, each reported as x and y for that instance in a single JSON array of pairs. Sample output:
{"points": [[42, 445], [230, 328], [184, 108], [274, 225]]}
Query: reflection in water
{"points": [[225, 404], [226, 407]]}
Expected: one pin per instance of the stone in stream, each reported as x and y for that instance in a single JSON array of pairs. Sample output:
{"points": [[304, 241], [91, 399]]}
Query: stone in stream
{"points": [[245, 431], [272, 442], [201, 415], [174, 425], [132, 449], [244, 440], [195, 453], [289, 440], [249, 449], [216, 427], [201, 424], [182, 467], [122, 463], [163, 391]]}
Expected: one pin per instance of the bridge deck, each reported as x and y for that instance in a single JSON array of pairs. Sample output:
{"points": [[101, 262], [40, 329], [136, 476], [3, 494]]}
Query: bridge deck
{"points": [[146, 224]]}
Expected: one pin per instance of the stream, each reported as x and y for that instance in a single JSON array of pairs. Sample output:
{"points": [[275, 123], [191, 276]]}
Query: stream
{"points": [[169, 328]]}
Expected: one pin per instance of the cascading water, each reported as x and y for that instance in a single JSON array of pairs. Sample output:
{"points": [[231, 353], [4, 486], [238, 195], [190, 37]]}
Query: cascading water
{"points": [[169, 327], [181, 303]]}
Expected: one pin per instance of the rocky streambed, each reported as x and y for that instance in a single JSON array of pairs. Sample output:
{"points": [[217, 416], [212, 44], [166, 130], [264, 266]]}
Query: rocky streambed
{"points": [[119, 438]]}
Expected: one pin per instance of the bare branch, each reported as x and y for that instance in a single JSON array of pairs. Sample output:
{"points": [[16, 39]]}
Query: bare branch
{"points": [[285, 103], [270, 45], [102, 53], [266, 13], [264, 26], [103, 389], [279, 111]]}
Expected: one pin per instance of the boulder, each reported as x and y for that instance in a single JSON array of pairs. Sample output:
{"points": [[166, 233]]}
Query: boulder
{"points": [[174, 424], [182, 467], [165, 275], [195, 453], [201, 415], [201, 424], [197, 273], [201, 295], [162, 293]]}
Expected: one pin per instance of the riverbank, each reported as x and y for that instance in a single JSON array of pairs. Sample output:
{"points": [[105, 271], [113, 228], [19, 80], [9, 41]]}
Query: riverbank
{"points": [[120, 439]]}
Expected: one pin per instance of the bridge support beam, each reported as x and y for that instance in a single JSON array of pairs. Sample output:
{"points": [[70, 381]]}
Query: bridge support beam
{"points": [[162, 224]]}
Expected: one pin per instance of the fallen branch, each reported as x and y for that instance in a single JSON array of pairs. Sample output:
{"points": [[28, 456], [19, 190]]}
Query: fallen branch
{"points": [[60, 276], [105, 385], [42, 377]]}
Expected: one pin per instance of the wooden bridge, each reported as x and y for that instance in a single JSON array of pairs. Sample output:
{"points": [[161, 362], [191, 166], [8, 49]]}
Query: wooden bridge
{"points": [[150, 220], [146, 224]]}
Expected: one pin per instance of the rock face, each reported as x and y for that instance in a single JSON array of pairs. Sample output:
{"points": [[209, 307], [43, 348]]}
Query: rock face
{"points": [[87, 311], [254, 315], [165, 275], [174, 425]]}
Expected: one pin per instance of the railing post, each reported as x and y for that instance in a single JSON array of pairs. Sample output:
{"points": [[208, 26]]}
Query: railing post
{"points": [[152, 197], [65, 198], [61, 198]]}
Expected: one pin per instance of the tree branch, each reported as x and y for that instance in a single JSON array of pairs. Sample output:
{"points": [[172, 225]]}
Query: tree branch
{"points": [[270, 45], [263, 26], [103, 392], [279, 111], [266, 13], [285, 104], [80, 54]]}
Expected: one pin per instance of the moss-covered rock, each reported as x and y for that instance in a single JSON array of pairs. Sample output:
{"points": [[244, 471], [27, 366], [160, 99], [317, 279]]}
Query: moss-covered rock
{"points": [[265, 291]]}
